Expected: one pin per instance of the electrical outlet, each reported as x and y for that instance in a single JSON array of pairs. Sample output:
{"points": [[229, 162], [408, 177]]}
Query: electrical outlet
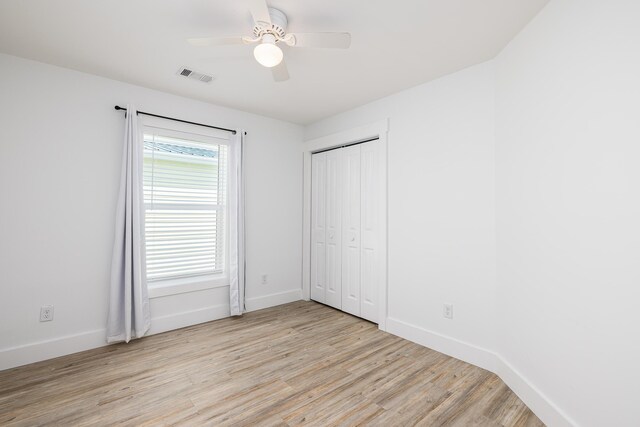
{"points": [[265, 279], [46, 313], [447, 311]]}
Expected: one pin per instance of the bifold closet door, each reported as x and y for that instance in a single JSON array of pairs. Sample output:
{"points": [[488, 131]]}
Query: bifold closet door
{"points": [[370, 230], [318, 227], [326, 229], [351, 229], [333, 292], [344, 229]]}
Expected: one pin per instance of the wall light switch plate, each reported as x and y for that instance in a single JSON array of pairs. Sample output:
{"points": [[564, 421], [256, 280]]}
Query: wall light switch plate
{"points": [[264, 279]]}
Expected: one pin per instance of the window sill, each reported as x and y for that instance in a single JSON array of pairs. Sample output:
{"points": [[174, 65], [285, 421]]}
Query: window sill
{"points": [[189, 284]]}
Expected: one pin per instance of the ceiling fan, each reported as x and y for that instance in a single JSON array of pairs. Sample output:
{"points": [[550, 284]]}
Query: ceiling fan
{"points": [[270, 26]]}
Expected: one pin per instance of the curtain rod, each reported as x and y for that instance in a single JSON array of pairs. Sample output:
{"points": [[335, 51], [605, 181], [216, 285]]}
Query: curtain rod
{"points": [[180, 120], [346, 145]]}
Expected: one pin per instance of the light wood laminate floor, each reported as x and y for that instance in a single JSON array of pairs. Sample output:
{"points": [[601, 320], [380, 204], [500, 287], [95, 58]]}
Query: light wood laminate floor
{"points": [[297, 364]]}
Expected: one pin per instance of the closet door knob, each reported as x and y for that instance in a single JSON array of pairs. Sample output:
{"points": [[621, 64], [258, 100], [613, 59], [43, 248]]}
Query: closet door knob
{"points": [[331, 235]]}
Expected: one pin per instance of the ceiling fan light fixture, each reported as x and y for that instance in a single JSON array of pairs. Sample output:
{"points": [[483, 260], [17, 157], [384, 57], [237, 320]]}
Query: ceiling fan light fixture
{"points": [[269, 33], [267, 53]]}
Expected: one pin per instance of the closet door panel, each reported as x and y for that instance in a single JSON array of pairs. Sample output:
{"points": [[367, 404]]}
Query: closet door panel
{"points": [[351, 215], [370, 231], [318, 226], [333, 231]]}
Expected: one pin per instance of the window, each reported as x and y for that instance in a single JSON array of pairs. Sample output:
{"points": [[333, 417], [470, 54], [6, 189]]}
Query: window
{"points": [[185, 197]]}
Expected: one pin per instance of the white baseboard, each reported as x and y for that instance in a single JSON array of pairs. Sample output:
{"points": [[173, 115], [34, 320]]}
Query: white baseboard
{"points": [[469, 353], [544, 408], [258, 303], [49, 349], [188, 318], [537, 401], [62, 346]]}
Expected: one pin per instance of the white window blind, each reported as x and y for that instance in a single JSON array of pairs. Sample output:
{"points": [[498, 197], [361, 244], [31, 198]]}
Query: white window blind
{"points": [[185, 193]]}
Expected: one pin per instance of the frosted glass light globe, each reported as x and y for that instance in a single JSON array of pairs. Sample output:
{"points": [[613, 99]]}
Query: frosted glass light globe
{"points": [[268, 54]]}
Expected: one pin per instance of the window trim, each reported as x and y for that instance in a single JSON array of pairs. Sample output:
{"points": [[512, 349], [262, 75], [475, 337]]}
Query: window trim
{"points": [[180, 285], [163, 288]]}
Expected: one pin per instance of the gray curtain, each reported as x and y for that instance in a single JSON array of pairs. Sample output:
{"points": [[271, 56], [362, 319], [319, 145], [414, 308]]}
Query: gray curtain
{"points": [[236, 225], [128, 300]]}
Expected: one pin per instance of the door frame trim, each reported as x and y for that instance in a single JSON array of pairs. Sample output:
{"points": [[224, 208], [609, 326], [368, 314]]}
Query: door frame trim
{"points": [[380, 130]]}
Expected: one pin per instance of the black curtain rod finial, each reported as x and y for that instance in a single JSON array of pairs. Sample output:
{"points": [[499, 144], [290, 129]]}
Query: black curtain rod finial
{"points": [[118, 108]]}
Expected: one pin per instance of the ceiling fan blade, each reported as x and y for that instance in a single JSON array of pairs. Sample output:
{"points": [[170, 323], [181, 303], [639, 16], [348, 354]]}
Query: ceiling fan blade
{"points": [[215, 41], [280, 72], [323, 40], [259, 11]]}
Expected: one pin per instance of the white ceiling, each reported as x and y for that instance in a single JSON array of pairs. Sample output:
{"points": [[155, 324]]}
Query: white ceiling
{"points": [[395, 45]]}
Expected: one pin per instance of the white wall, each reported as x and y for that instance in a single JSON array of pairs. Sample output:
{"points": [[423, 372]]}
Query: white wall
{"points": [[560, 322], [568, 205], [60, 148], [441, 204]]}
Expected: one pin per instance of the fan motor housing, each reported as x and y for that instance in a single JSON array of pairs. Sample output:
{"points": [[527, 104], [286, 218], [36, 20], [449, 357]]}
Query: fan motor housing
{"points": [[278, 25]]}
